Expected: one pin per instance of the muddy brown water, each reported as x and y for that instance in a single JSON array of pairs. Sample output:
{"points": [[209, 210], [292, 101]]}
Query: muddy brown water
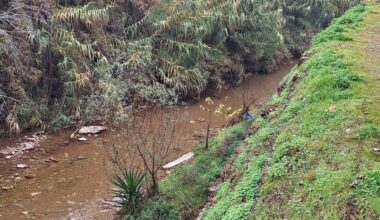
{"points": [[66, 178]]}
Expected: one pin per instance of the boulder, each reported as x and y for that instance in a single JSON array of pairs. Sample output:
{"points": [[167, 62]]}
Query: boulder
{"points": [[91, 129], [30, 144], [82, 139], [22, 166], [8, 151]]}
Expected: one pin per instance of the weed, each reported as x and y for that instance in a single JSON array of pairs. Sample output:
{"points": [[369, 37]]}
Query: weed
{"points": [[370, 183], [367, 131], [158, 208]]}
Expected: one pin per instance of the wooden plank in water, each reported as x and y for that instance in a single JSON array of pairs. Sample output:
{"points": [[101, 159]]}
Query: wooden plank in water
{"points": [[180, 160]]}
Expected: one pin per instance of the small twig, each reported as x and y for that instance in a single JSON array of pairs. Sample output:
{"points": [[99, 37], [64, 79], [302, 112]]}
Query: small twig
{"points": [[7, 97], [81, 215]]}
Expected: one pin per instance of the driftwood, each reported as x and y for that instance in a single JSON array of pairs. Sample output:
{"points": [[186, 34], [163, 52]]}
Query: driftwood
{"points": [[178, 161]]}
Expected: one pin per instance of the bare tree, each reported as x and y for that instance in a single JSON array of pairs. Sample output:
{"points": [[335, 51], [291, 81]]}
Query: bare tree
{"points": [[246, 97], [208, 127], [120, 156], [247, 101], [208, 111], [150, 138]]}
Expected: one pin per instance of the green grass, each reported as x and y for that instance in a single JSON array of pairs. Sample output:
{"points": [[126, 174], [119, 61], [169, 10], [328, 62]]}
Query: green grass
{"points": [[339, 27], [187, 186], [367, 131], [313, 159], [238, 204]]}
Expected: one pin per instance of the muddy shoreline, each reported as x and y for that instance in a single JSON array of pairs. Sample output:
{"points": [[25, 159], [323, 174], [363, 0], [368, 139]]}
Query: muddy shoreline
{"points": [[66, 178]]}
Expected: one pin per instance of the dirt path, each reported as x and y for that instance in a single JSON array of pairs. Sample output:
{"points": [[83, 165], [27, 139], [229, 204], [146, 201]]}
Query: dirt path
{"points": [[367, 61]]}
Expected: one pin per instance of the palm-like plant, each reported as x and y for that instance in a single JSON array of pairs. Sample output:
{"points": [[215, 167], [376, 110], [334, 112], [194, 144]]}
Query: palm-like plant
{"points": [[58, 55], [16, 69], [129, 185], [181, 35]]}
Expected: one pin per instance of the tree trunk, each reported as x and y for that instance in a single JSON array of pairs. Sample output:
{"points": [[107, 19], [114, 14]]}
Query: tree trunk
{"points": [[207, 134], [155, 185]]}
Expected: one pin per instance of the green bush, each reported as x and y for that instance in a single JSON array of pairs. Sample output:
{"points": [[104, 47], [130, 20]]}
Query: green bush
{"points": [[158, 208], [59, 121]]}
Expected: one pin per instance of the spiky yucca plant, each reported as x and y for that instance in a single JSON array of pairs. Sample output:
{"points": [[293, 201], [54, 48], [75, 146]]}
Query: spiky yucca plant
{"points": [[129, 185]]}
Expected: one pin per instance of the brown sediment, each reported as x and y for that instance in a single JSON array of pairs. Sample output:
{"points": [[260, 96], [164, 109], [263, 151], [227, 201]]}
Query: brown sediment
{"points": [[66, 177]]}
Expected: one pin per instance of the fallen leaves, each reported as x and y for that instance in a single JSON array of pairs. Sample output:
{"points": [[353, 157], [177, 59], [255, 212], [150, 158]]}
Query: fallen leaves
{"points": [[310, 176]]}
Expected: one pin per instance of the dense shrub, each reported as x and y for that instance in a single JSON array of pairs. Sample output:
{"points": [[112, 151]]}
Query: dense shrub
{"points": [[158, 208], [82, 59]]}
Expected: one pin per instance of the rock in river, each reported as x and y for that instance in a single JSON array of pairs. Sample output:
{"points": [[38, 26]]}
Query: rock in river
{"points": [[22, 166], [82, 139], [92, 129]]}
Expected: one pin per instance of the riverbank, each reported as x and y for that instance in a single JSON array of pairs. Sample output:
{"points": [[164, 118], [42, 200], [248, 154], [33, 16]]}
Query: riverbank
{"points": [[313, 153], [78, 175], [59, 69], [316, 154]]}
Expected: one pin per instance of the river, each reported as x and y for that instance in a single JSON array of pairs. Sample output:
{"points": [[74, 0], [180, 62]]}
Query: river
{"points": [[66, 178]]}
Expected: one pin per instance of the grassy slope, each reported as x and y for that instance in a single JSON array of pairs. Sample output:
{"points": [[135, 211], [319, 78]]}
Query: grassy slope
{"points": [[187, 186], [313, 157]]}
